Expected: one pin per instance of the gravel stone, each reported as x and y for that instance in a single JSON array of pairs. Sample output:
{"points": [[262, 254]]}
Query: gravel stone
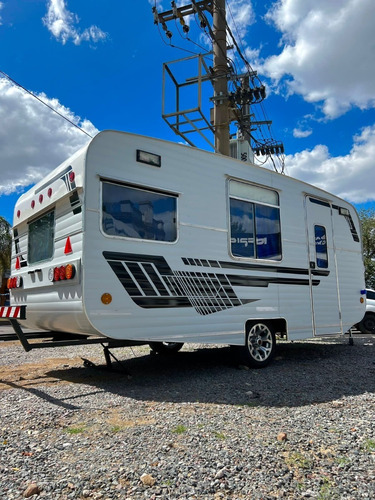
{"points": [[194, 426]]}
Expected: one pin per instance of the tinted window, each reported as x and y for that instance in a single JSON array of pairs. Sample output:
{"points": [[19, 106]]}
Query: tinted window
{"points": [[137, 213], [321, 247], [41, 238], [254, 221]]}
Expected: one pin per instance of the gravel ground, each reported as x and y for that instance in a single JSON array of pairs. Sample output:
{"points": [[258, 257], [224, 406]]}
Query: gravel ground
{"points": [[194, 426]]}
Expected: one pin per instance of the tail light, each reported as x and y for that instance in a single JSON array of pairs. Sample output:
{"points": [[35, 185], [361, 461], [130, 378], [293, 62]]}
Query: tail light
{"points": [[66, 272], [15, 282]]}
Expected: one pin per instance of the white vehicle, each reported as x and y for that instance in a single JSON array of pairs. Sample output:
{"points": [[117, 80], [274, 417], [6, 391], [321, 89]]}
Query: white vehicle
{"points": [[142, 240], [367, 324]]}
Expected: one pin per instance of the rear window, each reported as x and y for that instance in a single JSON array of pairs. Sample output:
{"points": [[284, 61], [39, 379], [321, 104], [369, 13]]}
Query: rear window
{"points": [[41, 238]]}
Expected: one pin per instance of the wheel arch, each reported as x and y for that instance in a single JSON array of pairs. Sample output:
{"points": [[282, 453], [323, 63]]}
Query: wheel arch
{"points": [[278, 324]]}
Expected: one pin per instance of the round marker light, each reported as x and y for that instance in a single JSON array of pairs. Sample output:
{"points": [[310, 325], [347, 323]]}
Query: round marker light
{"points": [[106, 298], [40, 198], [56, 274], [9, 281], [18, 214], [50, 274], [33, 204], [72, 176], [361, 300], [49, 192], [18, 281], [69, 271], [62, 272]]}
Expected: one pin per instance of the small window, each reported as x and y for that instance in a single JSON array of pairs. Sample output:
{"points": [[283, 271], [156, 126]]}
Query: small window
{"points": [[254, 222], [321, 247], [138, 213], [41, 238]]}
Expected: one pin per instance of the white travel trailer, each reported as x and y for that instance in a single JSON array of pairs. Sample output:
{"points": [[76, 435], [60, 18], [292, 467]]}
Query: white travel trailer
{"points": [[145, 241]]}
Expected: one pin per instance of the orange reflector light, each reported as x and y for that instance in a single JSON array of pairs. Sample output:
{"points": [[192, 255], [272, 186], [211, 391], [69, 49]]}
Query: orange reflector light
{"points": [[106, 298], [361, 300], [69, 271]]}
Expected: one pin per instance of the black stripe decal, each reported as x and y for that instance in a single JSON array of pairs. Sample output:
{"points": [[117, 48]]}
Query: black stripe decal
{"points": [[151, 283]]}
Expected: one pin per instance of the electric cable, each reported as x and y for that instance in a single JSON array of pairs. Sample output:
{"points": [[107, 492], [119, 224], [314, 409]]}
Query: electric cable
{"points": [[43, 102]]}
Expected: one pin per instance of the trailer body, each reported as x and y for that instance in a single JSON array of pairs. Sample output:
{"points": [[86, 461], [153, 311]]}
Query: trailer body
{"points": [[140, 239]]}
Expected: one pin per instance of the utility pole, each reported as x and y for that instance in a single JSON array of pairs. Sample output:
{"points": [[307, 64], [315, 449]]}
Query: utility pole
{"points": [[220, 65], [220, 82]]}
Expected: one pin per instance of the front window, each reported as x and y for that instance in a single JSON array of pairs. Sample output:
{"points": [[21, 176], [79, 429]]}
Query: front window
{"points": [[254, 222], [138, 213], [41, 238]]}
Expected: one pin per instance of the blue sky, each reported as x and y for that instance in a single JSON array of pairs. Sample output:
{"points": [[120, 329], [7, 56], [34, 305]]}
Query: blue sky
{"points": [[100, 64]]}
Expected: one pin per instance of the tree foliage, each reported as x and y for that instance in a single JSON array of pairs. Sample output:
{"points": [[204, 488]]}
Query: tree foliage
{"points": [[5, 246], [367, 218]]}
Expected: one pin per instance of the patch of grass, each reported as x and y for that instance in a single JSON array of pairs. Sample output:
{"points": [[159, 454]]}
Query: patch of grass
{"points": [[342, 461], [369, 445], [115, 428], [297, 459], [74, 430], [219, 435], [180, 429], [326, 491]]}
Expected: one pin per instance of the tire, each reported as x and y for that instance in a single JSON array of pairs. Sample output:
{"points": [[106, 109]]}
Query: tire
{"points": [[367, 325], [259, 349], [166, 347]]}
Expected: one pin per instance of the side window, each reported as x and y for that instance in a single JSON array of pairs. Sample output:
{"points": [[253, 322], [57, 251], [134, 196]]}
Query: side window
{"points": [[254, 222], [321, 247], [138, 213], [41, 238]]}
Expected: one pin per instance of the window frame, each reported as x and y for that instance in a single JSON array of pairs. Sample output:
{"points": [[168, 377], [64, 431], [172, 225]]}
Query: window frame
{"points": [[51, 238], [143, 188], [254, 204]]}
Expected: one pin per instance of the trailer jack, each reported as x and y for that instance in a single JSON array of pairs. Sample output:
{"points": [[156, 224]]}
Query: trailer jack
{"points": [[61, 339]]}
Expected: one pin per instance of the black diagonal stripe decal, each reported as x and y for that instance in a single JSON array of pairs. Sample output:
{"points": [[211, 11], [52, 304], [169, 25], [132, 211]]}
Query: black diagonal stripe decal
{"points": [[151, 283]]}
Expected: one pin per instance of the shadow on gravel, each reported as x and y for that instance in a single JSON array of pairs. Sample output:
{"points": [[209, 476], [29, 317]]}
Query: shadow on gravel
{"points": [[303, 373]]}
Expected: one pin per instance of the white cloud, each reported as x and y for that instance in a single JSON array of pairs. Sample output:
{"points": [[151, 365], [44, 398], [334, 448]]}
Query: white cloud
{"points": [[61, 23], [350, 176], [33, 139], [240, 16], [327, 52], [300, 133]]}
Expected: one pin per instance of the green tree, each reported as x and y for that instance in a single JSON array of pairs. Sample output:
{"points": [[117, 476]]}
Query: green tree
{"points": [[5, 246], [367, 218]]}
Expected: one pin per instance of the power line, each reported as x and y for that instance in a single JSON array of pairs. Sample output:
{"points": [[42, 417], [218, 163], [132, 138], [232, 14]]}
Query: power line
{"points": [[43, 102]]}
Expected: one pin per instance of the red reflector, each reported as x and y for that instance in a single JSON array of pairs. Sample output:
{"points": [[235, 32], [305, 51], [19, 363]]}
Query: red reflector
{"points": [[40, 198], [68, 246], [72, 176], [49, 192], [33, 204], [18, 213], [18, 265]]}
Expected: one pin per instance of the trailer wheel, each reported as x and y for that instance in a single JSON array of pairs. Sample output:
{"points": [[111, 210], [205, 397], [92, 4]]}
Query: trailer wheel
{"points": [[166, 347], [367, 325], [260, 344]]}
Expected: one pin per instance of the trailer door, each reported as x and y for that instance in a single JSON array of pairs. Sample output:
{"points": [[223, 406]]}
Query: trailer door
{"points": [[325, 303]]}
